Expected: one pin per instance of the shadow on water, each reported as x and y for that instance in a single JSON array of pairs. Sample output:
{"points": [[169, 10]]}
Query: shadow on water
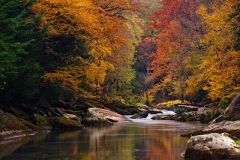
{"points": [[142, 139]]}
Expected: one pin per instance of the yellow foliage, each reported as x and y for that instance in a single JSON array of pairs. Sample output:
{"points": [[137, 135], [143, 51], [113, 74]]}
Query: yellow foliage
{"points": [[220, 66], [97, 72], [70, 78]]}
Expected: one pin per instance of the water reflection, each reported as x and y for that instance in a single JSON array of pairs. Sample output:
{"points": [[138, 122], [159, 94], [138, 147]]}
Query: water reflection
{"points": [[146, 140]]}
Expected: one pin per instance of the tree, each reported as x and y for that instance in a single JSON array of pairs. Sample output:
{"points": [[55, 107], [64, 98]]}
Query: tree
{"points": [[118, 82], [79, 22], [221, 63], [19, 38], [177, 30], [95, 30], [235, 18]]}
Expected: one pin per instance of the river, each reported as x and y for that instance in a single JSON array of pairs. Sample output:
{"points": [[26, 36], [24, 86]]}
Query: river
{"points": [[141, 139]]}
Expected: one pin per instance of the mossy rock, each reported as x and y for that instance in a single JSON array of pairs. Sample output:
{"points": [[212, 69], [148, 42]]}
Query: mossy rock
{"points": [[62, 122], [40, 120], [30, 125], [11, 125], [10, 122], [165, 117], [143, 114]]}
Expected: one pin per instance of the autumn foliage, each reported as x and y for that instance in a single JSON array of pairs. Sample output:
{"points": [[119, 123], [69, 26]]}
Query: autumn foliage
{"points": [[98, 24], [128, 50], [196, 56]]}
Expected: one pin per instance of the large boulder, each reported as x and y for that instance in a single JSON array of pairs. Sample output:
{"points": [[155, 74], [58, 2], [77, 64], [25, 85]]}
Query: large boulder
{"points": [[99, 116], [108, 114], [231, 127], [232, 112], [212, 146]]}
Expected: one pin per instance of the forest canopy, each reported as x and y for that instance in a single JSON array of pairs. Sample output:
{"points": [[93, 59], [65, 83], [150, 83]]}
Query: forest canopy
{"points": [[144, 51]]}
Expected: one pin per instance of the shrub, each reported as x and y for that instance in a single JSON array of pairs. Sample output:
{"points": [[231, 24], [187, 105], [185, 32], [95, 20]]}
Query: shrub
{"points": [[223, 103]]}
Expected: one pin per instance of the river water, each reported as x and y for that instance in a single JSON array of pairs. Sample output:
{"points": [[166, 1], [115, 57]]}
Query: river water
{"points": [[141, 139]]}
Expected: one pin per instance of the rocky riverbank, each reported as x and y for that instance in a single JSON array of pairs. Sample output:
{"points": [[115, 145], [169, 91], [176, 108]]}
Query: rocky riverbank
{"points": [[220, 139], [190, 112], [13, 127], [17, 122]]}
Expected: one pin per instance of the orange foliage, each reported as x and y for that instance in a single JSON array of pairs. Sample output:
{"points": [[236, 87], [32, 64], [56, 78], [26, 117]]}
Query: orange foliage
{"points": [[177, 34], [89, 21]]}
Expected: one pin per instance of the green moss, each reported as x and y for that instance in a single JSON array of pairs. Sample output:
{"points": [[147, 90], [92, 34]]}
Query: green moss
{"points": [[238, 142], [62, 122], [40, 120]]}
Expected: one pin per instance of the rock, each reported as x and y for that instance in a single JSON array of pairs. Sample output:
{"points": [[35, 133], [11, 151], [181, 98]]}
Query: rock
{"points": [[154, 111], [188, 116], [110, 115], [231, 127], [64, 123], [12, 127], [142, 110], [95, 118], [232, 112], [143, 114], [72, 116], [181, 108], [69, 115], [165, 117], [142, 106], [218, 119], [202, 110], [94, 121], [99, 116], [96, 113], [212, 146]]}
